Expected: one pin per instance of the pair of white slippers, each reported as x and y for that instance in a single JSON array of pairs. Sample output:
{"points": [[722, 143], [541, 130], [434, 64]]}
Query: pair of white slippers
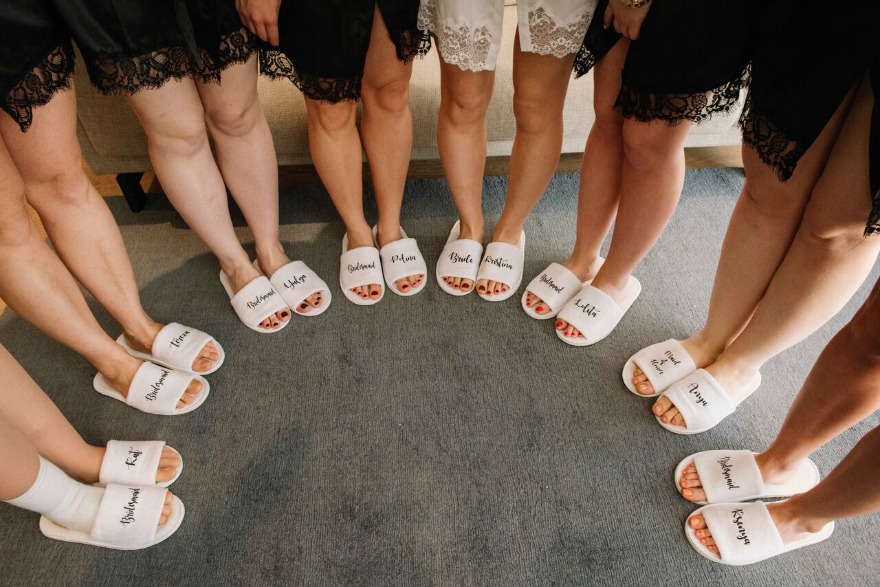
{"points": [[700, 399], [132, 503], [464, 259], [744, 533], [166, 373], [264, 296], [588, 309], [363, 266]]}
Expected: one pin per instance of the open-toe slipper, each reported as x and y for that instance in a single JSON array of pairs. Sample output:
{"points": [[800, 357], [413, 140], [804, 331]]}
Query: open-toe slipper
{"points": [[555, 286], [135, 463], [503, 263], [156, 390], [256, 302], [744, 533], [177, 346], [460, 258], [595, 314], [127, 519], [663, 364], [296, 282], [358, 267], [402, 258], [733, 475], [701, 401]]}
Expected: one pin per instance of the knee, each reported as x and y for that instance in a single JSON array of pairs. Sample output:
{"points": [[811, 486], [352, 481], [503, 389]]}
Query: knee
{"points": [[773, 202], [609, 123], [62, 188], [392, 97], [833, 235], [332, 118], [465, 108], [534, 116], [643, 154], [183, 136], [16, 228], [234, 120]]}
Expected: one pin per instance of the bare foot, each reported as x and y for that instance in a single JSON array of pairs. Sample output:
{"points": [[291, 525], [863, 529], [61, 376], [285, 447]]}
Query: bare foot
{"points": [[121, 380], [239, 277], [404, 284], [691, 488], [143, 342]]}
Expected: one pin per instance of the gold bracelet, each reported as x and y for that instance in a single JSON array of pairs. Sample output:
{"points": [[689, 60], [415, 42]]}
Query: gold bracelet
{"points": [[635, 3]]}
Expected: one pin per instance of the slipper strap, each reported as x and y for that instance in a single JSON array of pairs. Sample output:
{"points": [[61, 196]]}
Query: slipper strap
{"points": [[700, 399], [360, 266], [401, 259], [664, 363], [179, 346], [128, 516], [257, 301], [743, 532], [502, 262], [555, 286], [591, 310], [156, 389], [460, 258], [729, 475], [132, 463], [296, 282]]}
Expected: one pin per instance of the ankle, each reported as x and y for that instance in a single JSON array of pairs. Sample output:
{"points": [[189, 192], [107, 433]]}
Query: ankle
{"points": [[271, 257], [140, 336], [773, 467], [359, 236], [471, 231], [585, 266], [87, 469], [120, 372], [706, 348], [792, 518], [388, 232], [505, 233]]}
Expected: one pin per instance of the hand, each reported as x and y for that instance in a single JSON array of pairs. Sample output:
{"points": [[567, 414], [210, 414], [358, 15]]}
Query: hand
{"points": [[626, 20], [260, 17]]}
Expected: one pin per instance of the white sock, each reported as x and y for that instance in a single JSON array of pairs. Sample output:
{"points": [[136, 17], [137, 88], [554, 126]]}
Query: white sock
{"points": [[63, 500]]}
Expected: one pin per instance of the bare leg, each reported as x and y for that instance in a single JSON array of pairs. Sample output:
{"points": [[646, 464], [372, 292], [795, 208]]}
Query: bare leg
{"points": [[461, 139], [386, 131], [601, 170], [174, 121], [540, 83], [828, 260], [34, 414], [246, 156]]}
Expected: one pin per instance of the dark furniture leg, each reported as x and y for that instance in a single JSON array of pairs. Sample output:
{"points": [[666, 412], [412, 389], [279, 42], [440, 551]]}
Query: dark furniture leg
{"points": [[132, 190]]}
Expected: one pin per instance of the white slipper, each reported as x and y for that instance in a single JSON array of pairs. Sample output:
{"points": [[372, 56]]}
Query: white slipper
{"points": [[701, 401], [460, 258], [255, 302], [400, 259], [177, 346], [357, 267], [595, 314], [733, 475], [744, 533], [296, 282], [127, 519], [135, 463], [663, 364], [156, 390], [555, 286], [503, 262]]}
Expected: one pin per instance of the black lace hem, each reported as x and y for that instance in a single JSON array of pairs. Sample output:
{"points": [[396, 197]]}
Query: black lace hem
{"points": [[411, 44], [51, 75], [775, 148], [129, 75], [277, 65], [584, 61], [675, 108]]}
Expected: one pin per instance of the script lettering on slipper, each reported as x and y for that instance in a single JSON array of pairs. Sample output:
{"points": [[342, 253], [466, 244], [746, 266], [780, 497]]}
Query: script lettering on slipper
{"points": [[361, 266], [130, 507], [132, 458], [178, 340], [740, 527], [294, 281], [726, 468], [588, 309], [156, 387], [498, 262], [401, 258], [260, 299], [658, 363], [694, 390], [548, 281], [456, 258]]}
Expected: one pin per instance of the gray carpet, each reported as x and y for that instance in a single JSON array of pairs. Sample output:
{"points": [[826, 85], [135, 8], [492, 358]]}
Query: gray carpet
{"points": [[427, 440]]}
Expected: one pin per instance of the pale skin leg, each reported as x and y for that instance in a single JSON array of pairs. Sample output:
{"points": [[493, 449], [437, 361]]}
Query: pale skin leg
{"points": [[461, 140], [387, 139], [761, 231], [828, 260], [31, 274], [20, 463], [39, 420], [173, 119], [540, 83], [82, 229], [247, 161], [843, 388]]}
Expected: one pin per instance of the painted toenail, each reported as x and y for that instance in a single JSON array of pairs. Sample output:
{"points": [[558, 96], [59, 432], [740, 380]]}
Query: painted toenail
{"points": [[540, 310], [559, 324]]}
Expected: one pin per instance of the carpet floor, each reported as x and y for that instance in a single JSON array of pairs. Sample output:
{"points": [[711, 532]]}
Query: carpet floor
{"points": [[431, 439]]}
